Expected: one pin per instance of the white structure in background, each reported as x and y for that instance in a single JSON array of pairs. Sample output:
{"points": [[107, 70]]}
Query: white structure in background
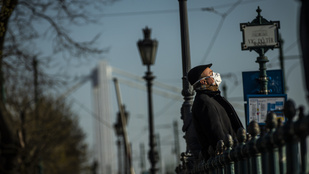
{"points": [[102, 109], [104, 147]]}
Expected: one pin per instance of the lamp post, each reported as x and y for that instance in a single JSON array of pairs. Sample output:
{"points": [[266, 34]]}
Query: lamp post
{"points": [[147, 49]]}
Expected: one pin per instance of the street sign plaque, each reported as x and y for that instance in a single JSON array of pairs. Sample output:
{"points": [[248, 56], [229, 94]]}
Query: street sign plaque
{"points": [[257, 36]]}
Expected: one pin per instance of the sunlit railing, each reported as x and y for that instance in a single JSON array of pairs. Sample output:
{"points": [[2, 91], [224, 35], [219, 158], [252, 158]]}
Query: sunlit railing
{"points": [[280, 148]]}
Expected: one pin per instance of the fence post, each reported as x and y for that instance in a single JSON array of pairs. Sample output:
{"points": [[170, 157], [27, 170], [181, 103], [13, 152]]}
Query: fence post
{"points": [[234, 156], [291, 139], [279, 141], [301, 130], [186, 159], [219, 164], [245, 152], [261, 148], [228, 163], [242, 164], [272, 149], [211, 160], [216, 160], [255, 156]]}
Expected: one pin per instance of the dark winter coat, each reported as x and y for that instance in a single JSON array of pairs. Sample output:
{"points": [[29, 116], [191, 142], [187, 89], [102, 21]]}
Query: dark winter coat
{"points": [[213, 117]]}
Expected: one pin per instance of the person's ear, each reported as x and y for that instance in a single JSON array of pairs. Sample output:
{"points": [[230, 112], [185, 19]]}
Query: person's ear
{"points": [[203, 82]]}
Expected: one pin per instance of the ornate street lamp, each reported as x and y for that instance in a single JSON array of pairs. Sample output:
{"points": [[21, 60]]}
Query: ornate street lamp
{"points": [[147, 49]]}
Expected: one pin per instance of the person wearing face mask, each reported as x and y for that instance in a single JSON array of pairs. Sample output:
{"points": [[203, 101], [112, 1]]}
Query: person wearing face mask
{"points": [[213, 116]]}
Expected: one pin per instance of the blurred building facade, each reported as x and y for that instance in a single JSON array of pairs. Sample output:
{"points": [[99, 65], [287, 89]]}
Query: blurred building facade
{"points": [[104, 142]]}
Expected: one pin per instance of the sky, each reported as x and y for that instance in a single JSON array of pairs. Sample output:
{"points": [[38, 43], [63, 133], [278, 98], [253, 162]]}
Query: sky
{"points": [[215, 37]]}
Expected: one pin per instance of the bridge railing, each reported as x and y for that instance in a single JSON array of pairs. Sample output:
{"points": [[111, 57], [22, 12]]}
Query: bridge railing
{"points": [[280, 148]]}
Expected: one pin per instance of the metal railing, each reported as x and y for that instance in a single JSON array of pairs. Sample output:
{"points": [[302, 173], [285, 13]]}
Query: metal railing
{"points": [[279, 148]]}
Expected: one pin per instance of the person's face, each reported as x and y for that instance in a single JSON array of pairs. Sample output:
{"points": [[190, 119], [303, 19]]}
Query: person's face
{"points": [[207, 72]]}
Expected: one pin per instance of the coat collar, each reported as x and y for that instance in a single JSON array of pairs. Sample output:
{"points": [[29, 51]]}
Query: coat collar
{"points": [[208, 92]]}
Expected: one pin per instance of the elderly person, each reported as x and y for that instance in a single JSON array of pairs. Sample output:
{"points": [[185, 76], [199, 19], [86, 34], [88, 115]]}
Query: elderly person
{"points": [[213, 116]]}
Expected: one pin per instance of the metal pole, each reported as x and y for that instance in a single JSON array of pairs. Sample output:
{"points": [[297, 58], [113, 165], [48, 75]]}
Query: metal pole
{"points": [[262, 60], [124, 130], [229, 163], [262, 150], [255, 155], [158, 143], [292, 160], [142, 151], [119, 156], [152, 153], [281, 59], [242, 163], [35, 84], [302, 134], [36, 100], [279, 141], [185, 44], [303, 37], [272, 149], [177, 151], [187, 90]]}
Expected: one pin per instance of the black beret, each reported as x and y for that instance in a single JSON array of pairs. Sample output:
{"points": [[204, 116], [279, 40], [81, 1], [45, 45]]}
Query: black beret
{"points": [[195, 73]]}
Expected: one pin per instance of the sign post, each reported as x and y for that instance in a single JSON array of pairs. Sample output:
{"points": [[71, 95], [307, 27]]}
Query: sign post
{"points": [[260, 35]]}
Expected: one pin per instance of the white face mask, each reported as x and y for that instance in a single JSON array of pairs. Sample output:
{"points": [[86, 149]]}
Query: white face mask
{"points": [[216, 76]]}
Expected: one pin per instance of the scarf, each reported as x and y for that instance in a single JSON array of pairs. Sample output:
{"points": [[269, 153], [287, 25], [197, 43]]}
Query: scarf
{"points": [[207, 87]]}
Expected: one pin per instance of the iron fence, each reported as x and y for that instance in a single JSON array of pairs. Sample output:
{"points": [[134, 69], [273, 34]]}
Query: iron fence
{"points": [[276, 148]]}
